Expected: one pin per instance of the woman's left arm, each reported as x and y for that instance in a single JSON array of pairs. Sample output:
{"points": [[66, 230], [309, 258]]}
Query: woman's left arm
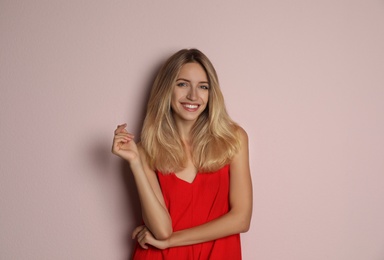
{"points": [[237, 220]]}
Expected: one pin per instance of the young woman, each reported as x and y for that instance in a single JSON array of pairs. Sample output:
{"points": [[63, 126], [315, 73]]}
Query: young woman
{"points": [[191, 167]]}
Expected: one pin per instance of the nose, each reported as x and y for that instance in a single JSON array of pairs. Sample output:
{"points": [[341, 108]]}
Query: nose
{"points": [[192, 93]]}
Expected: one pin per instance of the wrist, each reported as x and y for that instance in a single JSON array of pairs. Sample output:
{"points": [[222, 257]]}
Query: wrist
{"points": [[170, 241], [134, 159], [167, 243], [135, 163]]}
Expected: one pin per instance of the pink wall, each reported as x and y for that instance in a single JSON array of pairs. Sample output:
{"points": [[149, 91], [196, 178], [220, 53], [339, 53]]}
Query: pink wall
{"points": [[304, 78]]}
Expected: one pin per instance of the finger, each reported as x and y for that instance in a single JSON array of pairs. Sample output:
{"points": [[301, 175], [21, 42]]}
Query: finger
{"points": [[125, 134], [141, 234], [143, 242], [118, 145], [143, 245], [120, 128], [137, 231], [122, 139]]}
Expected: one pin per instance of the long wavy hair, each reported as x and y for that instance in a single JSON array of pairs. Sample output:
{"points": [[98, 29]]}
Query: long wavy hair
{"points": [[214, 139]]}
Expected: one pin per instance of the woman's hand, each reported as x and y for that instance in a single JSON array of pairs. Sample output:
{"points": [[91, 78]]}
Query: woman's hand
{"points": [[144, 237], [124, 145]]}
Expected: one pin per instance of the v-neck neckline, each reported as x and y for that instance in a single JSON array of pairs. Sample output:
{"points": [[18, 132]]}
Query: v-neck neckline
{"points": [[190, 183]]}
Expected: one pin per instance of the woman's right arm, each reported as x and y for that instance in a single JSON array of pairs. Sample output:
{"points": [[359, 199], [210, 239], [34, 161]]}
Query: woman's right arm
{"points": [[154, 212]]}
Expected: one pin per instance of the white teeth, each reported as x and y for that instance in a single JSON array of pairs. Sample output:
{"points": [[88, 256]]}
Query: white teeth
{"points": [[191, 106]]}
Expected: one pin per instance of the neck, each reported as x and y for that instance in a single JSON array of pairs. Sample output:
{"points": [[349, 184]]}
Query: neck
{"points": [[184, 128]]}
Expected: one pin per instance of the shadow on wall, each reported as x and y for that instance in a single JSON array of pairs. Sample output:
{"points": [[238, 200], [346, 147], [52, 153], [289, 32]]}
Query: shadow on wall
{"points": [[134, 209], [133, 206], [100, 157], [128, 206]]}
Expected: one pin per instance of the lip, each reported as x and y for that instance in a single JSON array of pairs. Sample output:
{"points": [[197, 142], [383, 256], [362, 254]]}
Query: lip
{"points": [[190, 107]]}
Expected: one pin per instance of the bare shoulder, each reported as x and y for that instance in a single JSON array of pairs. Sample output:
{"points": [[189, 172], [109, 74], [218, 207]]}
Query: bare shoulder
{"points": [[241, 157], [243, 136]]}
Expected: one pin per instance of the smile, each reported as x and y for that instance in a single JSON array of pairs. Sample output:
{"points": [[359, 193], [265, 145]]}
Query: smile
{"points": [[190, 107]]}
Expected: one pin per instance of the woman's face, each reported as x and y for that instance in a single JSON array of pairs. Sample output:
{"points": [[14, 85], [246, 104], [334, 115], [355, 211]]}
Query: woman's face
{"points": [[190, 93]]}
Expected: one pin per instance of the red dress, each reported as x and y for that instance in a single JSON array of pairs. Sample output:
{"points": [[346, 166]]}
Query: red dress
{"points": [[192, 204]]}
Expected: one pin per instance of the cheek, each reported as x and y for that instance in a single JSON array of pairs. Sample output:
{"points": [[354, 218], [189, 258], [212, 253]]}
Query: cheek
{"points": [[177, 93], [206, 97], [174, 100], [174, 97]]}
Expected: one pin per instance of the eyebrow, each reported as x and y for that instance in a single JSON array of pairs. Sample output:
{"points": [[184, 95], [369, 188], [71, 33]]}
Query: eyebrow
{"points": [[190, 81]]}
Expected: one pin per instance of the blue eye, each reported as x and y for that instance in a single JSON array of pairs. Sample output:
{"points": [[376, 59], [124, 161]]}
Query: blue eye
{"points": [[204, 87], [181, 84]]}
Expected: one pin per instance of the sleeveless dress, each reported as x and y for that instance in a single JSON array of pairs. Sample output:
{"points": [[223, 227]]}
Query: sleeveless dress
{"points": [[193, 204]]}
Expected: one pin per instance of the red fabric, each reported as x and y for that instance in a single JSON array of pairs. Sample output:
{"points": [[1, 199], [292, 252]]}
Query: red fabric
{"points": [[192, 204]]}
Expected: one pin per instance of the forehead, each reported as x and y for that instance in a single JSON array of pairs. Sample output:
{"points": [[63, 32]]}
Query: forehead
{"points": [[193, 70]]}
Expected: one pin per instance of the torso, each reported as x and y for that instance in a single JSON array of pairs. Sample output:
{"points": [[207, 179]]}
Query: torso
{"points": [[191, 204], [189, 173]]}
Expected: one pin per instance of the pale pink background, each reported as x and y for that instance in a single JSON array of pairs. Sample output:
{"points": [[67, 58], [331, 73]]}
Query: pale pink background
{"points": [[304, 78]]}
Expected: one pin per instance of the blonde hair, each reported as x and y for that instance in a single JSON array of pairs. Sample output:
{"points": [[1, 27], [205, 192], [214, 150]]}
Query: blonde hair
{"points": [[214, 139]]}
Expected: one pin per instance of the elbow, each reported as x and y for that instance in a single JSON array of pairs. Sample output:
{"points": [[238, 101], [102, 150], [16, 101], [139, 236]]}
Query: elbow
{"points": [[161, 229], [163, 234], [244, 225], [242, 221]]}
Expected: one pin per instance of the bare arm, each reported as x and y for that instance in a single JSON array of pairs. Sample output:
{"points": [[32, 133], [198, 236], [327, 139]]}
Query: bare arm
{"points": [[237, 220], [154, 212]]}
